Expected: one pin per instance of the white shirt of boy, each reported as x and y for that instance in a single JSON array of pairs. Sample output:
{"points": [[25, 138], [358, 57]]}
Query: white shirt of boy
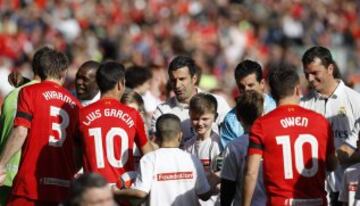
{"points": [[342, 109], [172, 177], [207, 151], [233, 169], [350, 184]]}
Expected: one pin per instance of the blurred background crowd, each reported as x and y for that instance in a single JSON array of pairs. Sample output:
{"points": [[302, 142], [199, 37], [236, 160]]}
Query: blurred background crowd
{"points": [[218, 34]]}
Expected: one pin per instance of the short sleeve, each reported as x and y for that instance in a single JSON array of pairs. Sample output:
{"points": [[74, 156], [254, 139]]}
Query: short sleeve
{"points": [[256, 145], [201, 184], [230, 129], [140, 138], [230, 168], [144, 179], [24, 114]]}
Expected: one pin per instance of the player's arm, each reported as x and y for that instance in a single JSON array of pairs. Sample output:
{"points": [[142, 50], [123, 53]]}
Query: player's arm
{"points": [[15, 142], [148, 147], [251, 174]]}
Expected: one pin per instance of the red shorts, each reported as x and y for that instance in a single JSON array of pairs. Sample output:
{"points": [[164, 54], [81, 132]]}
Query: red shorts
{"points": [[23, 201]]}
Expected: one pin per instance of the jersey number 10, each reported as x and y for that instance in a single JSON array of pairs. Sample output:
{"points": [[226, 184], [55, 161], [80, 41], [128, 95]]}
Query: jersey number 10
{"points": [[109, 144], [285, 142]]}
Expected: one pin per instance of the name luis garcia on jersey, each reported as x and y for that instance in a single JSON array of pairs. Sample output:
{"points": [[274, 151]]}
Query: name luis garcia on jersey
{"points": [[49, 95], [92, 116], [294, 121]]}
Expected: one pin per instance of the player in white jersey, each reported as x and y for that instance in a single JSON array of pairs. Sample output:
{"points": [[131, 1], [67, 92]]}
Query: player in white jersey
{"points": [[249, 106], [183, 77], [170, 175], [338, 103], [205, 143]]}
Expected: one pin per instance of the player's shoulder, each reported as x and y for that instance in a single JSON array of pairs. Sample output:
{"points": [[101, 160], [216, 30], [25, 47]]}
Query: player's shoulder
{"points": [[353, 169]]}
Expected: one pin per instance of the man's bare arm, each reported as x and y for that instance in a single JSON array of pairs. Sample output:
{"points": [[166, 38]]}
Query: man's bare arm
{"points": [[251, 174]]}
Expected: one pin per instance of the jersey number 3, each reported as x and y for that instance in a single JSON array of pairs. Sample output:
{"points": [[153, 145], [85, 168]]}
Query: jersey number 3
{"points": [[59, 127], [284, 141], [109, 141]]}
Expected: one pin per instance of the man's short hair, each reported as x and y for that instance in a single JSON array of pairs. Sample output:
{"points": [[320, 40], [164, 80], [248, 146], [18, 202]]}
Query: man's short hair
{"points": [[90, 65], [52, 64], [35, 64], [324, 55], [183, 61], [249, 106], [130, 96], [108, 74], [246, 68], [81, 184], [282, 82], [203, 103], [168, 126], [137, 75]]}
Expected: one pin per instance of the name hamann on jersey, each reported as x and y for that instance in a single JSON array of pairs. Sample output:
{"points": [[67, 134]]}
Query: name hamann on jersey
{"points": [[49, 95], [92, 116], [294, 121]]}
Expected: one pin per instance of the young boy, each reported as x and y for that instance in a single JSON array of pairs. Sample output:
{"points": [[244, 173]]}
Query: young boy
{"points": [[170, 175], [205, 143], [248, 108]]}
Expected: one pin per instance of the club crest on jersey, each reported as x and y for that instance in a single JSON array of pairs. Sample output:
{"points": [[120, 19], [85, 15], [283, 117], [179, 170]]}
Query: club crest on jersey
{"points": [[342, 111]]}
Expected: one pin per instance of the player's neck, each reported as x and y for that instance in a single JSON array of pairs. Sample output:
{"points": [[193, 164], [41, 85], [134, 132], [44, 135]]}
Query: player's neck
{"points": [[288, 101], [169, 144], [110, 95], [56, 81]]}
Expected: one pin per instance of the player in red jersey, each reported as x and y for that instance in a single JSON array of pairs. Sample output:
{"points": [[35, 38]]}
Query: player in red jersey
{"points": [[296, 145], [44, 128], [109, 129]]}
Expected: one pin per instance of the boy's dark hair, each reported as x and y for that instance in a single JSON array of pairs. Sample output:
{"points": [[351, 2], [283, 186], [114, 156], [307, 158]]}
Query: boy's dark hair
{"points": [[168, 126], [81, 184], [203, 103], [246, 68], [136, 76], [52, 64], [35, 64], [108, 74], [183, 61], [249, 106], [130, 96], [282, 82], [90, 65], [324, 55]]}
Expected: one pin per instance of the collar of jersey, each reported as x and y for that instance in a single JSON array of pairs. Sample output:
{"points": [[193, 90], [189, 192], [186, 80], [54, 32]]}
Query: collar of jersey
{"points": [[334, 95]]}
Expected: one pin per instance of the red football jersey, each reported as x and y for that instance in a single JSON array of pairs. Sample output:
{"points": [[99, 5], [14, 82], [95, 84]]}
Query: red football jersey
{"points": [[294, 143], [109, 129], [48, 155]]}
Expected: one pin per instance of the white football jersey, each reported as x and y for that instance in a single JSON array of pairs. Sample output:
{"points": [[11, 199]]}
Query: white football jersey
{"points": [[350, 184], [172, 177]]}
